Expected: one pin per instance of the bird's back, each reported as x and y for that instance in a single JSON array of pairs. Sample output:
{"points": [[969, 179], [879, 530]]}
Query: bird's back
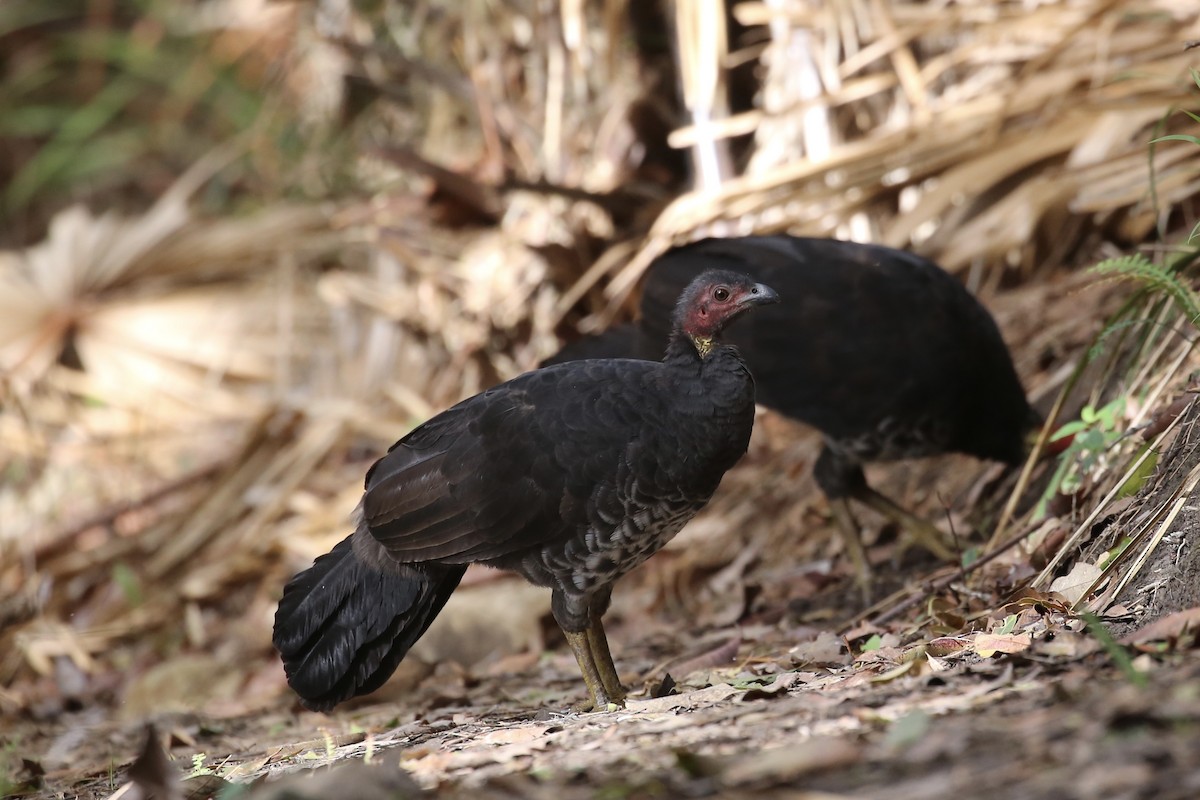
{"points": [[884, 352]]}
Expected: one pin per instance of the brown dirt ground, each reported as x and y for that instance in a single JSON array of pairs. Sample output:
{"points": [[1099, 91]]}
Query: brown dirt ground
{"points": [[1033, 725]]}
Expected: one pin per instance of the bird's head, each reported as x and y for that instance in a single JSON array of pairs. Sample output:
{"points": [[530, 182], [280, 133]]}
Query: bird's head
{"points": [[713, 300]]}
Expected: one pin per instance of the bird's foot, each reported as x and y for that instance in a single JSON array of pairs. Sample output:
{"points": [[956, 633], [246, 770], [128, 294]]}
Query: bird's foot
{"points": [[595, 664], [592, 706], [855, 551], [920, 531]]}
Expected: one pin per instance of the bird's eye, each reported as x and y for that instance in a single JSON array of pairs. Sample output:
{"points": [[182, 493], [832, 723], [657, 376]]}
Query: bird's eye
{"points": [[720, 294]]}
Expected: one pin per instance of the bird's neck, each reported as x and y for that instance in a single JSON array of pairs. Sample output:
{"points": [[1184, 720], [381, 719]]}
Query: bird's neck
{"points": [[688, 348], [704, 345], [695, 349]]}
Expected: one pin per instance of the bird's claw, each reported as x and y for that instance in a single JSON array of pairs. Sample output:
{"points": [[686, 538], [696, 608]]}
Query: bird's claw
{"points": [[590, 707]]}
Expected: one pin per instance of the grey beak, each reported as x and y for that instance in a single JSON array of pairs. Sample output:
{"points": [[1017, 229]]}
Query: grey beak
{"points": [[761, 295]]}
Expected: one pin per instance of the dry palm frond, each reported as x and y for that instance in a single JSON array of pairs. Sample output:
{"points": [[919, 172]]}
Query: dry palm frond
{"points": [[970, 130], [138, 300], [131, 343], [701, 41]]}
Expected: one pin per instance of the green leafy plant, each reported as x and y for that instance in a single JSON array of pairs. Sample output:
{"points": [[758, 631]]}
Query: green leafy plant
{"points": [[873, 643], [1117, 652], [128, 582], [1162, 278], [8, 761], [1110, 555], [198, 766], [114, 104], [1096, 430]]}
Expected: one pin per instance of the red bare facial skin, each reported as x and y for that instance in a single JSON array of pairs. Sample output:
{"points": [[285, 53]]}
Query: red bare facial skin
{"points": [[720, 303]]}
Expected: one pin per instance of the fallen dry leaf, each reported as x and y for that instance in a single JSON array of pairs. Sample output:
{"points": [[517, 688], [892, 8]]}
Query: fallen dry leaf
{"points": [[790, 761], [514, 735], [827, 648], [988, 644], [1169, 627], [1077, 582], [895, 672], [945, 645], [937, 664], [700, 697], [775, 688], [1068, 645], [248, 769], [1028, 600], [863, 630]]}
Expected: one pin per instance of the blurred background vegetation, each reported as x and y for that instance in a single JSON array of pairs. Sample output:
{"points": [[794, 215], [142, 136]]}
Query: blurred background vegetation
{"points": [[248, 244]]}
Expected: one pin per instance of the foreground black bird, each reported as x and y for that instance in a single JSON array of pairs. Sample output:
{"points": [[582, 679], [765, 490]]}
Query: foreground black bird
{"points": [[883, 352], [570, 475]]}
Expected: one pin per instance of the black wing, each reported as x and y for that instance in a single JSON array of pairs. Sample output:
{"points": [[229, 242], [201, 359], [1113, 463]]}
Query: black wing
{"points": [[527, 462]]}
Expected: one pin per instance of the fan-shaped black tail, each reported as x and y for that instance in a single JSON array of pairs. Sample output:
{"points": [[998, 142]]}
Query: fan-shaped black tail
{"points": [[344, 625]]}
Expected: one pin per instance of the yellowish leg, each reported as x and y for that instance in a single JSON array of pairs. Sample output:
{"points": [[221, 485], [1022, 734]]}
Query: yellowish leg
{"points": [[602, 657], [580, 646], [923, 531], [852, 539]]}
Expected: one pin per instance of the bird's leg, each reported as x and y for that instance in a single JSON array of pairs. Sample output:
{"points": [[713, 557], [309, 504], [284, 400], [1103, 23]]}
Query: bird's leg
{"points": [[598, 641], [579, 618], [602, 658], [852, 540], [923, 531], [581, 647], [840, 476]]}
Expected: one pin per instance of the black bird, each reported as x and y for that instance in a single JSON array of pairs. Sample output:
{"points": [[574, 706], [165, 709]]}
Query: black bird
{"points": [[882, 351], [569, 475]]}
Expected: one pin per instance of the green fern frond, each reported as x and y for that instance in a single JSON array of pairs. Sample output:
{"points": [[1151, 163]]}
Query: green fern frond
{"points": [[1102, 338], [1137, 267]]}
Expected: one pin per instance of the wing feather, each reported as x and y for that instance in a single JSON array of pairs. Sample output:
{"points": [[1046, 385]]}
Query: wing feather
{"points": [[510, 468]]}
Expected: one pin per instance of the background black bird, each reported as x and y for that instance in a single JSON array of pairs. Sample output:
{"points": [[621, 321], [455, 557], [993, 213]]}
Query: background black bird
{"points": [[882, 351], [570, 475]]}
